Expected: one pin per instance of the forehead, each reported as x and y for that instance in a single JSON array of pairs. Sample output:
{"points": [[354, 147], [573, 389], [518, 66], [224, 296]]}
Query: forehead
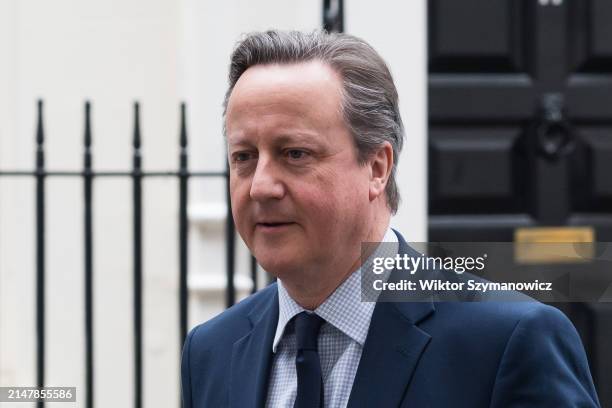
{"points": [[309, 92]]}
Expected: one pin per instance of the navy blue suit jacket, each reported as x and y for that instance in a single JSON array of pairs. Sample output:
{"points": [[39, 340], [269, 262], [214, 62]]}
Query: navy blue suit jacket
{"points": [[422, 354]]}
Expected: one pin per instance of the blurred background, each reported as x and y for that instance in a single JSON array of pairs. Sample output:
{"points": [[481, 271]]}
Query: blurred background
{"points": [[114, 236]]}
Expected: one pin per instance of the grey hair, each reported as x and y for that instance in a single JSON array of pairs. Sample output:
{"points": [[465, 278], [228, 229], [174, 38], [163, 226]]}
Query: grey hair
{"points": [[369, 98]]}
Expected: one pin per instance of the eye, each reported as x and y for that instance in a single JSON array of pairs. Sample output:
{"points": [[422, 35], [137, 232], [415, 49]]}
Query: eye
{"points": [[296, 154], [241, 156]]}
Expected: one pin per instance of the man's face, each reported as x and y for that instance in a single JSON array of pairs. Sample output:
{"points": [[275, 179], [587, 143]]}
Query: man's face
{"points": [[299, 197]]}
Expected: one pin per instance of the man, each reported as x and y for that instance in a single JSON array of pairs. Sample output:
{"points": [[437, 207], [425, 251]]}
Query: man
{"points": [[313, 133]]}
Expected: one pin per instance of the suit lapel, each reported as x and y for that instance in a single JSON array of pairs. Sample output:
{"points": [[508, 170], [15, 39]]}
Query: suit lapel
{"points": [[391, 351], [390, 356], [252, 358]]}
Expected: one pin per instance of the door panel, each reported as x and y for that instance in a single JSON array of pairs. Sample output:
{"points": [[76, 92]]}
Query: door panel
{"points": [[597, 188], [590, 32], [520, 115], [462, 154], [496, 39]]}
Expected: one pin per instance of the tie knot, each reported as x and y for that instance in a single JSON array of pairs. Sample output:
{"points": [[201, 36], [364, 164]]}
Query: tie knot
{"points": [[307, 327]]}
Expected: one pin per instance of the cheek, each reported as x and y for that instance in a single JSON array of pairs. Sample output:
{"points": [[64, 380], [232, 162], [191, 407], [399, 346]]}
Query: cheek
{"points": [[349, 184], [234, 188], [333, 197], [239, 194]]}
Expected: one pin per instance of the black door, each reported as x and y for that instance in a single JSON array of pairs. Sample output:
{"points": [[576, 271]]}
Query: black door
{"points": [[520, 130], [520, 117]]}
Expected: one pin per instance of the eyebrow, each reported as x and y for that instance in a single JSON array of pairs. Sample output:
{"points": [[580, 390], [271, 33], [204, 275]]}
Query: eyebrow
{"points": [[281, 139]]}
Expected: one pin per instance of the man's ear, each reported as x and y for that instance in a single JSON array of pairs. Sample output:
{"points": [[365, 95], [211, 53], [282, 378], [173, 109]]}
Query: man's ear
{"points": [[380, 164]]}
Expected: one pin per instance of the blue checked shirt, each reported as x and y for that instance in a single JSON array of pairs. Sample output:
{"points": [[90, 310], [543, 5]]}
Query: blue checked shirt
{"points": [[340, 343]]}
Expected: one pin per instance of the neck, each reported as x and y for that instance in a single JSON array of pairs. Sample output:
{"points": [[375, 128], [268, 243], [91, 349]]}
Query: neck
{"points": [[314, 287]]}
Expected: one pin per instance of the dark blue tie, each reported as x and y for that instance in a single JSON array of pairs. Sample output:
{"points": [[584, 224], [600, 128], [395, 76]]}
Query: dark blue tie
{"points": [[307, 363]]}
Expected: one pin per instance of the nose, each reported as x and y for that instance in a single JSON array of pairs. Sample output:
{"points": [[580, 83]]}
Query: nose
{"points": [[266, 183]]}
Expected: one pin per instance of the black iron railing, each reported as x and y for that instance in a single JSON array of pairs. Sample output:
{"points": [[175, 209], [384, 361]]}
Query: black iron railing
{"points": [[88, 175], [333, 21]]}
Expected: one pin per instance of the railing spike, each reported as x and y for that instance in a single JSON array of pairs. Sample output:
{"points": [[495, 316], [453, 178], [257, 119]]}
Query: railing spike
{"points": [[136, 142], [40, 139], [87, 134]]}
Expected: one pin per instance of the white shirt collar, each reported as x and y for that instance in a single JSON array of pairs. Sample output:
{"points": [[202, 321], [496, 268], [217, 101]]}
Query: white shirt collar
{"points": [[347, 297]]}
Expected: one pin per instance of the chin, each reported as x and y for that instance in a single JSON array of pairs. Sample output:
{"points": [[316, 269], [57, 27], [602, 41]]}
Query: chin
{"points": [[278, 264]]}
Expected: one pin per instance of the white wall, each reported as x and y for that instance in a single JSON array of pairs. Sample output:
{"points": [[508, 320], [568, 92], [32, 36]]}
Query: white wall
{"points": [[159, 52], [111, 52], [397, 30]]}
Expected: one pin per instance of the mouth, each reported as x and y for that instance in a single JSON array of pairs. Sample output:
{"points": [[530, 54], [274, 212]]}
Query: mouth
{"points": [[273, 226]]}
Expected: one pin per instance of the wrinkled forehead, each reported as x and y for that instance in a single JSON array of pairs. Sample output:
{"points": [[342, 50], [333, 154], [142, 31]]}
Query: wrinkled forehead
{"points": [[310, 92]]}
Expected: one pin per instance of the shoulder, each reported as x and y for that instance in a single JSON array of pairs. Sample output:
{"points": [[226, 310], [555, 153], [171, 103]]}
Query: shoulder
{"points": [[502, 316], [484, 331], [234, 322], [515, 347], [544, 351], [208, 349], [538, 329]]}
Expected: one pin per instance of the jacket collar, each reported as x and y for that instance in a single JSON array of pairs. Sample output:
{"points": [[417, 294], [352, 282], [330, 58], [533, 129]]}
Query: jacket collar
{"points": [[252, 356], [392, 350]]}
